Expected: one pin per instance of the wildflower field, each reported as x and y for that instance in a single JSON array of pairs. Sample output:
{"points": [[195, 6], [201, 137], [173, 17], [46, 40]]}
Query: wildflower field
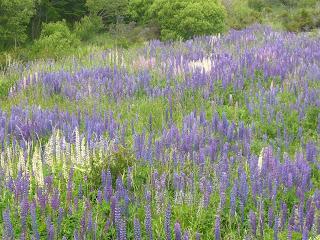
{"points": [[211, 138]]}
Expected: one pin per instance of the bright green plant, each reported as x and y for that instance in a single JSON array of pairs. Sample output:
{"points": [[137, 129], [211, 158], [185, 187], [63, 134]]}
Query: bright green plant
{"points": [[303, 19], [241, 15], [110, 11], [14, 19], [88, 26], [138, 10], [185, 19], [56, 40]]}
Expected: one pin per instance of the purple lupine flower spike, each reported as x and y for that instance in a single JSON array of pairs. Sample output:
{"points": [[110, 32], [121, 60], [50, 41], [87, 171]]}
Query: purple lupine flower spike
{"points": [[310, 218], [76, 235], [107, 226], [34, 221], [8, 233], [186, 235], [167, 222], [148, 222], [177, 231], [253, 222], [276, 228], [123, 231], [217, 228], [137, 229], [24, 213], [198, 236], [50, 229], [60, 218]]}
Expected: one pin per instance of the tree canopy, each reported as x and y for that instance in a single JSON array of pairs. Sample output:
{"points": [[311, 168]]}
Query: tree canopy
{"points": [[15, 16], [184, 19], [109, 10]]}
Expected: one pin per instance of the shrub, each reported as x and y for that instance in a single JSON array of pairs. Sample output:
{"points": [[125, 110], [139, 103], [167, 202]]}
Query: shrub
{"points": [[55, 40], [258, 5], [240, 15], [14, 19], [302, 20], [185, 19], [88, 26], [138, 10], [129, 34]]}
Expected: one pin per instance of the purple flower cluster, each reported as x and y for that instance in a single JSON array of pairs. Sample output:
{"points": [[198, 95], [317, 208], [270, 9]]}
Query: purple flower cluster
{"points": [[248, 155]]}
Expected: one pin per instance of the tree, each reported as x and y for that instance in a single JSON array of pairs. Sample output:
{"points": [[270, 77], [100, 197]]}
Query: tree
{"points": [[110, 10], [185, 19], [14, 19], [53, 11], [55, 40], [138, 10]]}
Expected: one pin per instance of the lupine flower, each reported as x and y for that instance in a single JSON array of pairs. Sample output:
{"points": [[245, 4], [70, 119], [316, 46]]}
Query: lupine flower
{"points": [[233, 195], [107, 225], [34, 221], [60, 218], [24, 212], [270, 217], [148, 222], [75, 235], [217, 228], [117, 217], [310, 218], [50, 229], [311, 152], [200, 64], [123, 234], [89, 221], [137, 229], [7, 224], [198, 236], [55, 200], [177, 231], [253, 222], [305, 234], [99, 197], [284, 214], [167, 223], [186, 235], [42, 199], [275, 228]]}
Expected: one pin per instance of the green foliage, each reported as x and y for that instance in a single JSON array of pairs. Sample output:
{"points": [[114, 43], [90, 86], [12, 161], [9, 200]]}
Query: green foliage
{"points": [[53, 11], [110, 11], [304, 19], [138, 10], [56, 40], [293, 15], [185, 19], [241, 15], [14, 18], [257, 4], [118, 162], [88, 26]]}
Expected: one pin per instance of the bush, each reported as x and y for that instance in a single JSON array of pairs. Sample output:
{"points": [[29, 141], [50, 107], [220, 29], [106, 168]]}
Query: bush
{"points": [[129, 34], [240, 15], [88, 26], [258, 5], [138, 10], [302, 20], [55, 40], [185, 19]]}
